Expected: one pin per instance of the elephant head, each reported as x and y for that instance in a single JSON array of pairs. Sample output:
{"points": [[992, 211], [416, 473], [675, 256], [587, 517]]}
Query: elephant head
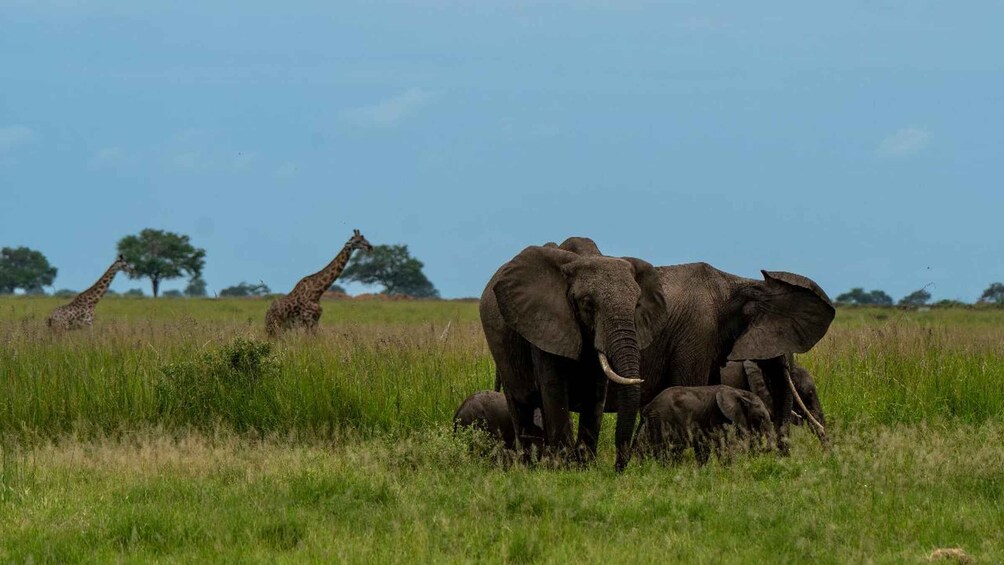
{"points": [[805, 385], [743, 409], [586, 307]]}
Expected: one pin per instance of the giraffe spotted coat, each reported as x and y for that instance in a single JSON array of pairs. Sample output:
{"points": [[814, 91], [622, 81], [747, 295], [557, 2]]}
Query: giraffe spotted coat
{"points": [[302, 306], [79, 313]]}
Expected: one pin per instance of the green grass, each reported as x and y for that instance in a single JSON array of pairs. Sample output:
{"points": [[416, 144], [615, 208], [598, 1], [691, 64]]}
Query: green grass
{"points": [[169, 433]]}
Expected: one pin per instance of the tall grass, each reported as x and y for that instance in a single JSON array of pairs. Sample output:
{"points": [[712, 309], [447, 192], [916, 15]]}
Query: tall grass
{"points": [[173, 431], [128, 372], [406, 366]]}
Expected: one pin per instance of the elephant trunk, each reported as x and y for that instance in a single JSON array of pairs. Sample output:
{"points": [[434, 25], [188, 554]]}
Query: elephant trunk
{"points": [[626, 357]]}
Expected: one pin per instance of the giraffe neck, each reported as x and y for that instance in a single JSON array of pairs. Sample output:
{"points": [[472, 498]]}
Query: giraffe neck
{"points": [[317, 283], [91, 296]]}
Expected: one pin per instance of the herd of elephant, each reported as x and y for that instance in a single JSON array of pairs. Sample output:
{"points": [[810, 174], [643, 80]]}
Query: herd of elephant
{"points": [[678, 343]]}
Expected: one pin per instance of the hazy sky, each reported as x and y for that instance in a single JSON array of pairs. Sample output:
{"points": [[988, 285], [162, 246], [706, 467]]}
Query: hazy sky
{"points": [[858, 143]]}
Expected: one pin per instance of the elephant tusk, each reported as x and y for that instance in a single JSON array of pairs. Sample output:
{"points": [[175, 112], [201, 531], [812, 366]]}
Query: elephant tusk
{"points": [[820, 430], [614, 377]]}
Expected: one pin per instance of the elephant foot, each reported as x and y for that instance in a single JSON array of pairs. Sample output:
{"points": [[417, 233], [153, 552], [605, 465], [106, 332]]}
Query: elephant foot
{"points": [[784, 446], [584, 456]]}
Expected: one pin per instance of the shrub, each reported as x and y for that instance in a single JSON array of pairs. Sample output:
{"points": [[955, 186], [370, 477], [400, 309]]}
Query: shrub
{"points": [[234, 385]]}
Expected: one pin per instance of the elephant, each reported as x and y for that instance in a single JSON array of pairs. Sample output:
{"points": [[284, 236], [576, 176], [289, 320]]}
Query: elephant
{"points": [[714, 317], [487, 410], [562, 320], [699, 417], [748, 375]]}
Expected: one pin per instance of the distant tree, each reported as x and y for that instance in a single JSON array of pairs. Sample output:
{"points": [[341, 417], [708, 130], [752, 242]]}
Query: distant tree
{"points": [[860, 297], [196, 287], [137, 292], [994, 294], [246, 289], [111, 292], [65, 293], [36, 291], [879, 298], [392, 267], [948, 303], [915, 298], [337, 288], [173, 293], [161, 255], [24, 268]]}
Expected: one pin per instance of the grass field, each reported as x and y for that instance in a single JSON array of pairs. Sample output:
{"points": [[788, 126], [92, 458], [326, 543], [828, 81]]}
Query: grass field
{"points": [[170, 433]]}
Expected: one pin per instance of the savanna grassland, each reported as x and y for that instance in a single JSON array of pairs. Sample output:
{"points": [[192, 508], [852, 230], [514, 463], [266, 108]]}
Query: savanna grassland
{"points": [[172, 431]]}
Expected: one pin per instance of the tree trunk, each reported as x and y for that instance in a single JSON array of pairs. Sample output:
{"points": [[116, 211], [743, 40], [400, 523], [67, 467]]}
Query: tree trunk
{"points": [[156, 285]]}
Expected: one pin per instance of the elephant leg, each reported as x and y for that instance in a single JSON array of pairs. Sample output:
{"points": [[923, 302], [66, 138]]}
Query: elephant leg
{"points": [[675, 454], [527, 432], [591, 418], [784, 404], [554, 397], [702, 451]]}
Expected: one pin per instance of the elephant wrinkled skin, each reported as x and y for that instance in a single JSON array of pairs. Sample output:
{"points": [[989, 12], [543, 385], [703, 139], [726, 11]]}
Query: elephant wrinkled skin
{"points": [[714, 316], [553, 316], [699, 417]]}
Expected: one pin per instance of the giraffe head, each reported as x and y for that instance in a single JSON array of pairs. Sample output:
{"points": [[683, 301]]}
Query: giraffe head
{"points": [[121, 264], [358, 241]]}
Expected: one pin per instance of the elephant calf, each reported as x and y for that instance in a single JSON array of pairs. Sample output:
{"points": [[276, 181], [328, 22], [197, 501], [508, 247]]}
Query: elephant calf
{"points": [[699, 417], [487, 410], [747, 375]]}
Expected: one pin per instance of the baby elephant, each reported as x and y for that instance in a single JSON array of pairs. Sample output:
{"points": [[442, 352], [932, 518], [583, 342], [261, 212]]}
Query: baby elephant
{"points": [[737, 374], [699, 417], [487, 410]]}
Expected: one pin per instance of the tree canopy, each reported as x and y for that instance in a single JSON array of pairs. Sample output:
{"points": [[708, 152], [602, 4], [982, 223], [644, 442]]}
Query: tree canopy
{"points": [[860, 297], [246, 289], [392, 267], [24, 268], [916, 298], [161, 255], [196, 287], [994, 294]]}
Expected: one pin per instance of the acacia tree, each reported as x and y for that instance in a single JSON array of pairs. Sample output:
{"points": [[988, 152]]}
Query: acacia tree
{"points": [[916, 298], [24, 268], [392, 267], [860, 297], [196, 287], [161, 255], [246, 289], [994, 294]]}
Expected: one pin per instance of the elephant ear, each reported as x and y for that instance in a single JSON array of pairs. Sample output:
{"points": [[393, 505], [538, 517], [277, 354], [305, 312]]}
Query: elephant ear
{"points": [[581, 246], [786, 313], [532, 295], [651, 314], [732, 406]]}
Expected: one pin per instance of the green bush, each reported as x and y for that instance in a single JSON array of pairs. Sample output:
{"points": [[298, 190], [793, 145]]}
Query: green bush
{"points": [[233, 385]]}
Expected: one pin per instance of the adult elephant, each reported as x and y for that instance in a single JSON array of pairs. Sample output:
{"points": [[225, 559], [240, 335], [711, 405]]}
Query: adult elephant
{"points": [[714, 316], [560, 322]]}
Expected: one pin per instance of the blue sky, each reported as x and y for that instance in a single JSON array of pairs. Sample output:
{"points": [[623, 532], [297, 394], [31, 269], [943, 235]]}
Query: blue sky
{"points": [[857, 143]]}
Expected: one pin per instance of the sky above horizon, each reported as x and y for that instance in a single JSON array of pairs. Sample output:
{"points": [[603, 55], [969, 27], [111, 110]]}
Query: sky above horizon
{"points": [[858, 144]]}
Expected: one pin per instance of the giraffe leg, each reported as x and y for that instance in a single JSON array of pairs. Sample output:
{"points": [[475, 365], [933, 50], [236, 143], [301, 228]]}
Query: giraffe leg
{"points": [[310, 313]]}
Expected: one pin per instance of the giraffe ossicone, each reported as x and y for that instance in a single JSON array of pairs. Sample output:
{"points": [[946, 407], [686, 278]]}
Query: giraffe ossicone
{"points": [[302, 306]]}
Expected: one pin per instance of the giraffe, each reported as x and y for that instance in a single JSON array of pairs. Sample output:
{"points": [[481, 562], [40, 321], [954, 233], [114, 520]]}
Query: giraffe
{"points": [[302, 306], [79, 313]]}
